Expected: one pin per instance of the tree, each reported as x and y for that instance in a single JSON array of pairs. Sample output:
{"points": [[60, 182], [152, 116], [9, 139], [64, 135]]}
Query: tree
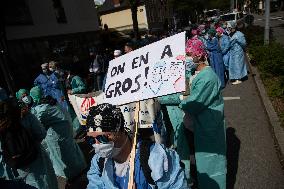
{"points": [[133, 7]]}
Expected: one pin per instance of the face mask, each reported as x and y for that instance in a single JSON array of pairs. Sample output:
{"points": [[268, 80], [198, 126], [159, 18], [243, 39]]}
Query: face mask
{"points": [[228, 31], [104, 150], [206, 36], [107, 150], [190, 65], [51, 69], [27, 99]]}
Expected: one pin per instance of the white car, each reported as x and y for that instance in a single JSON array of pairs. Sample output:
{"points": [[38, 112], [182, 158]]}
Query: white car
{"points": [[210, 15], [242, 20]]}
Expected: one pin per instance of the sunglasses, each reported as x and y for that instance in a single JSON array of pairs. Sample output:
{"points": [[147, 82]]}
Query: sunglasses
{"points": [[102, 139]]}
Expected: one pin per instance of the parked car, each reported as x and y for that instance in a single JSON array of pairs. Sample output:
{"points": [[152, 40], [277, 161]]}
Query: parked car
{"points": [[243, 20], [210, 15]]}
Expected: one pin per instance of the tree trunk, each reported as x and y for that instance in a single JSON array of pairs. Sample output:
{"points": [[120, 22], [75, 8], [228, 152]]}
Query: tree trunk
{"points": [[134, 19]]}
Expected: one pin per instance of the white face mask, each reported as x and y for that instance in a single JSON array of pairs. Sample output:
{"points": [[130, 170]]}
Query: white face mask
{"points": [[27, 99], [107, 150], [104, 150]]}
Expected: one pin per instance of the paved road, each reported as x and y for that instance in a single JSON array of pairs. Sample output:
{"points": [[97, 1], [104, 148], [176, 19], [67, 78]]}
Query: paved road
{"points": [[276, 24], [252, 159]]}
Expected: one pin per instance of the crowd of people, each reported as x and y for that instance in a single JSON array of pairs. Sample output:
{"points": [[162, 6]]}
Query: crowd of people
{"points": [[184, 148]]}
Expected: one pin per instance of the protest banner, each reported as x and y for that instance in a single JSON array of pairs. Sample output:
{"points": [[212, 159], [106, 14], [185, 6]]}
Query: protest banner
{"points": [[83, 102], [145, 118], [148, 72]]}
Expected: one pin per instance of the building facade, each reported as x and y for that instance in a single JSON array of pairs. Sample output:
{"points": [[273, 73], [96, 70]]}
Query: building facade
{"points": [[41, 30]]}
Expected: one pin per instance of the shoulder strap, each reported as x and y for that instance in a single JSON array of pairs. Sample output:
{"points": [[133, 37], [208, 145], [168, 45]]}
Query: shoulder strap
{"points": [[144, 156], [101, 164]]}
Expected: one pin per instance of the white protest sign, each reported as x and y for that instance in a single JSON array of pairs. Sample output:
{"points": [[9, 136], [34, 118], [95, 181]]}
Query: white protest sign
{"points": [[148, 72], [83, 102], [145, 119]]}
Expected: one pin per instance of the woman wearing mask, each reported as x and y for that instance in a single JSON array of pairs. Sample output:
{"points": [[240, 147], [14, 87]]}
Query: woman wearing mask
{"points": [[66, 156], [224, 42], [205, 106], [215, 56], [237, 63]]}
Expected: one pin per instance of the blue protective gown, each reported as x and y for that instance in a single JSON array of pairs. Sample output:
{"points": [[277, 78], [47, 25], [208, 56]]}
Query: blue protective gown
{"points": [[216, 59], [179, 138], [39, 173], [51, 86], [66, 156], [224, 42], [206, 106], [237, 63], [161, 161]]}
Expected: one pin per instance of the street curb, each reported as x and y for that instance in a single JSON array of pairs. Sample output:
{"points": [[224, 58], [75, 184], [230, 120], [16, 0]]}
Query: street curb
{"points": [[276, 129]]}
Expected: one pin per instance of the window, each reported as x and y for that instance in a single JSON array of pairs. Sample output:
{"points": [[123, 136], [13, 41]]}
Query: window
{"points": [[59, 11], [17, 12]]}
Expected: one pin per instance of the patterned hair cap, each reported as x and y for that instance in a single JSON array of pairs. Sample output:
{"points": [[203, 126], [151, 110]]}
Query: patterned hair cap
{"points": [[195, 47], [105, 118]]}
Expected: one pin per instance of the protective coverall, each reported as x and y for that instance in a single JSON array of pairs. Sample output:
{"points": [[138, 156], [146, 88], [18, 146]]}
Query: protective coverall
{"points": [[77, 87], [216, 59], [206, 107], [66, 156], [39, 173], [225, 49], [237, 63]]}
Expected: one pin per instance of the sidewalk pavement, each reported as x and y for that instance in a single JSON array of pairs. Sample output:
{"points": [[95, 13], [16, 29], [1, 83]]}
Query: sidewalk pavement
{"points": [[252, 159]]}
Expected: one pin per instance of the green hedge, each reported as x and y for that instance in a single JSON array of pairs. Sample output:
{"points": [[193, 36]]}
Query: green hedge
{"points": [[270, 61]]}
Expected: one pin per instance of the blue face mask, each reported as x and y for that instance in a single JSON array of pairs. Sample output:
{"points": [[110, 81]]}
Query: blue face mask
{"points": [[190, 65]]}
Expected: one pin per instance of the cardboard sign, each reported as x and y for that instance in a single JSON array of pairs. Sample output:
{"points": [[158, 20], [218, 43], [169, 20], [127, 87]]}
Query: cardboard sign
{"points": [[145, 118], [83, 102], [148, 72]]}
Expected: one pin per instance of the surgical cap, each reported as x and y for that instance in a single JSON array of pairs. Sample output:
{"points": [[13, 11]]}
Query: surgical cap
{"points": [[44, 66], [105, 118], [195, 47], [212, 31], [117, 53], [220, 30], [20, 93], [36, 94]]}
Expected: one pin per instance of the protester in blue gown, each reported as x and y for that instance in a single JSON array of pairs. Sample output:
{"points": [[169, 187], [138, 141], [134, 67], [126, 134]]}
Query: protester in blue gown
{"points": [[39, 173], [154, 165], [50, 85], [205, 105], [224, 42], [237, 61], [215, 56], [65, 154]]}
